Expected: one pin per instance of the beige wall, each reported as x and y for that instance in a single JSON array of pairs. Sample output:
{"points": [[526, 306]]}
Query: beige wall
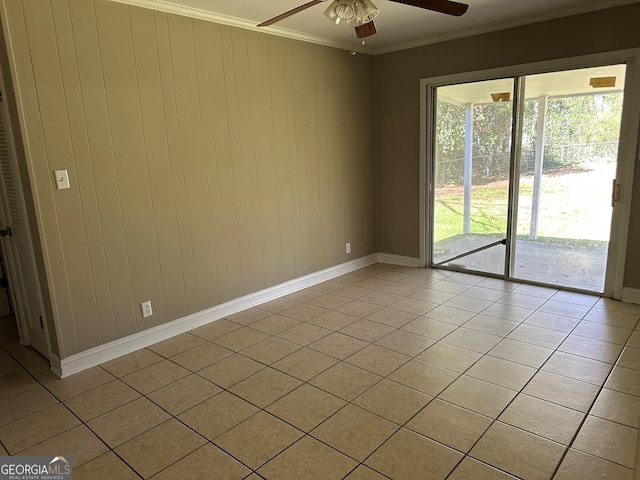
{"points": [[206, 162], [398, 78]]}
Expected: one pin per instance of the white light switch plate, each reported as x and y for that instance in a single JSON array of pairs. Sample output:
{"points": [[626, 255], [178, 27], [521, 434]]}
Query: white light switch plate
{"points": [[62, 179]]}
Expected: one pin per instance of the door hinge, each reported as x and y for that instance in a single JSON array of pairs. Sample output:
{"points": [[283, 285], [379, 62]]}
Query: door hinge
{"points": [[41, 323], [615, 193]]}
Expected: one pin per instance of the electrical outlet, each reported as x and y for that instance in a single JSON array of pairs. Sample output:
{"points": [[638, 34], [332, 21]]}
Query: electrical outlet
{"points": [[146, 309], [347, 247]]}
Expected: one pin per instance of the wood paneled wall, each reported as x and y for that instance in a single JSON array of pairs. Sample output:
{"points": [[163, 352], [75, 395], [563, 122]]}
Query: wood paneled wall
{"points": [[206, 162]]}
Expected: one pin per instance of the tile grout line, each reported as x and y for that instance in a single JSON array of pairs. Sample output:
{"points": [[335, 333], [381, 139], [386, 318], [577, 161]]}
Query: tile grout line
{"points": [[593, 402], [369, 343], [539, 369], [61, 402]]}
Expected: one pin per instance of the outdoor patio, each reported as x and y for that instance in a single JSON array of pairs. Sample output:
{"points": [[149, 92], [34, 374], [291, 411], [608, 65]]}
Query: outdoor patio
{"points": [[561, 263]]}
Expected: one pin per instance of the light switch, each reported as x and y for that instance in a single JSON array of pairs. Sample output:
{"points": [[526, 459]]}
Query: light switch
{"points": [[62, 179]]}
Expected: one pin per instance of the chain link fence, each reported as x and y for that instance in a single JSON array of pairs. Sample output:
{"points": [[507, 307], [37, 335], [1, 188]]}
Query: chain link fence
{"points": [[485, 169]]}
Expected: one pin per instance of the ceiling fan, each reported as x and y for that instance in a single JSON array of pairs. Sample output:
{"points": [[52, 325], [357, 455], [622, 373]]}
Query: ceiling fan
{"points": [[360, 13]]}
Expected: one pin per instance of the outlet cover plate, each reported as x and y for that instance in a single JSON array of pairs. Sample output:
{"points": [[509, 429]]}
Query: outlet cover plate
{"points": [[146, 309]]}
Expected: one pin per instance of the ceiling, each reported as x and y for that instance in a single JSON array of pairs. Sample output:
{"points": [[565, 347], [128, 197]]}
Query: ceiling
{"points": [[399, 26]]}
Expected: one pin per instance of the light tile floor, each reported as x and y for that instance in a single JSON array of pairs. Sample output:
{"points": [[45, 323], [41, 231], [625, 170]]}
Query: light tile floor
{"points": [[386, 372]]}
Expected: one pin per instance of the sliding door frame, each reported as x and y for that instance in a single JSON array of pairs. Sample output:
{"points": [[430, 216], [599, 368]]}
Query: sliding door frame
{"points": [[514, 172], [627, 150]]}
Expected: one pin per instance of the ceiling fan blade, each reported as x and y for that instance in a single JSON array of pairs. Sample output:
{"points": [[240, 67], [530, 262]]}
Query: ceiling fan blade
{"points": [[443, 6], [293, 11], [366, 30]]}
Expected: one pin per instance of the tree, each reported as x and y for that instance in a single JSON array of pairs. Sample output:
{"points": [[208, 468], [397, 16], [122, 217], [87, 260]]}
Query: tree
{"points": [[450, 135], [577, 128]]}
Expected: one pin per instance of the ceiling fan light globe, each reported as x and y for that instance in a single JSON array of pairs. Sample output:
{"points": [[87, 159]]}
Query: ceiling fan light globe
{"points": [[345, 10], [365, 11], [331, 15], [354, 12], [339, 10], [330, 12]]}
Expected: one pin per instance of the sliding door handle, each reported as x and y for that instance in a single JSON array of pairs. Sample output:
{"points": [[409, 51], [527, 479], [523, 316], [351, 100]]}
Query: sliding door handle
{"points": [[615, 193]]}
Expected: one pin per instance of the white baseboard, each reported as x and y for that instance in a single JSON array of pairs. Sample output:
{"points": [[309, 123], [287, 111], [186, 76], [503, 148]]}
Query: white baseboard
{"points": [[398, 260], [631, 295], [55, 364], [109, 351]]}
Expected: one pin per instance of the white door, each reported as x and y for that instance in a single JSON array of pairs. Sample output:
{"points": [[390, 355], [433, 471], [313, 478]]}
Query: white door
{"points": [[16, 245]]}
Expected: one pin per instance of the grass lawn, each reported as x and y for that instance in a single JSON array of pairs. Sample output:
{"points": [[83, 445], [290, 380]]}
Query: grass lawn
{"points": [[573, 206]]}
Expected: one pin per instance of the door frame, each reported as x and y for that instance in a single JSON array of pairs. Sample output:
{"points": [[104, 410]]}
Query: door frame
{"points": [[628, 146], [15, 290]]}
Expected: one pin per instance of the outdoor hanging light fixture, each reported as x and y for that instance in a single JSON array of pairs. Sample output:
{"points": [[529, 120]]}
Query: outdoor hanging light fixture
{"points": [[355, 12]]}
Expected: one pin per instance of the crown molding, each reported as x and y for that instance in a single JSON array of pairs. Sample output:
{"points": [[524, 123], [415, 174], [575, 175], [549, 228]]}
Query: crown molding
{"points": [[196, 13], [192, 12], [566, 12]]}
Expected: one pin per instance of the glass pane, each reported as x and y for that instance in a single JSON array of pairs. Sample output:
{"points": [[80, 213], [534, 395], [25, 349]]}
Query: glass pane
{"points": [[568, 162], [472, 152]]}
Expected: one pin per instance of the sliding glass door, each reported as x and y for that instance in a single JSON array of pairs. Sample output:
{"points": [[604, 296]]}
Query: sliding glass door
{"points": [[549, 223], [568, 158], [472, 153]]}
